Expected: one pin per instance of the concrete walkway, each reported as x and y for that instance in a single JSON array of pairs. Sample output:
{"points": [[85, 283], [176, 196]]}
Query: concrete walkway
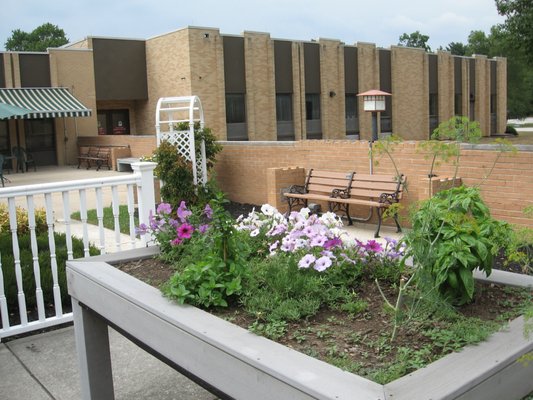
{"points": [[45, 366]]}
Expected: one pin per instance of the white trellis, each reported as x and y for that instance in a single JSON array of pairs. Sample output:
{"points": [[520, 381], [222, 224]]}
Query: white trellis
{"points": [[175, 110]]}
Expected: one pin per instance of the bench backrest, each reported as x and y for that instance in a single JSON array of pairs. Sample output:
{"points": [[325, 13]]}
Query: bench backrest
{"points": [[323, 182], [372, 186], [104, 153], [93, 152]]}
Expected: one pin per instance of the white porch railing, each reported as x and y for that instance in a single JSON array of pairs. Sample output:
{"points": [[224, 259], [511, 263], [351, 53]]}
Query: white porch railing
{"points": [[57, 199]]}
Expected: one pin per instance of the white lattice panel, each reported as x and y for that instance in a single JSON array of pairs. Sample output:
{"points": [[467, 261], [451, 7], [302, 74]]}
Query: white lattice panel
{"points": [[172, 111]]}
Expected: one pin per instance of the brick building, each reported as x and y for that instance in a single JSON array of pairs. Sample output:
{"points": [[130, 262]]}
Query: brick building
{"points": [[252, 87]]}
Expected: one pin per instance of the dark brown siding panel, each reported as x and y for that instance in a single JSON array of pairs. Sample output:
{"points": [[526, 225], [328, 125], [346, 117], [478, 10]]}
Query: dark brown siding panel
{"points": [[234, 69], [493, 74], [34, 70], [351, 84], [2, 72], [283, 66], [385, 80], [312, 67], [120, 69], [433, 73], [458, 74]]}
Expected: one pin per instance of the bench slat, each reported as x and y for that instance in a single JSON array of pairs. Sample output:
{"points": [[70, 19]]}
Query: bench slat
{"points": [[330, 174]]}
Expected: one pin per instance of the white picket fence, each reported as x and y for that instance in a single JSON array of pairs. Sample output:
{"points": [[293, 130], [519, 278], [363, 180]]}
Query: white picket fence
{"points": [[57, 200]]}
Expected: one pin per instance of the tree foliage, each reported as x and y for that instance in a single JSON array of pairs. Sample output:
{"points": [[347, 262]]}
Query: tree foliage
{"points": [[457, 48], [519, 23], [44, 36], [415, 39]]}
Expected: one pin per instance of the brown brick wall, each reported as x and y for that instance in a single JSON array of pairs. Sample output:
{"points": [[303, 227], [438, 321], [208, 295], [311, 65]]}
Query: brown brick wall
{"points": [[410, 93]]}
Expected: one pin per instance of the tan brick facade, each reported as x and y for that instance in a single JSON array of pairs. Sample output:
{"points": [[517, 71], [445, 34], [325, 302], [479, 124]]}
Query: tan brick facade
{"points": [[482, 99], [190, 61], [332, 86], [244, 172], [260, 86], [445, 83], [368, 71], [410, 93]]}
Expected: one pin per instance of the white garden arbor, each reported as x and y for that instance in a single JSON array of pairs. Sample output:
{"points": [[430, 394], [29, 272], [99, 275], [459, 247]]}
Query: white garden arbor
{"points": [[172, 111]]}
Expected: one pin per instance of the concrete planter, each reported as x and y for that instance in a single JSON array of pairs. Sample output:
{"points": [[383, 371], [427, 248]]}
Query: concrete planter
{"points": [[234, 363]]}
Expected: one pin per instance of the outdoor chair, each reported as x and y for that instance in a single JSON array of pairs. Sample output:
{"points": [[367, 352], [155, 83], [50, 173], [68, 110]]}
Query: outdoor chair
{"points": [[24, 159]]}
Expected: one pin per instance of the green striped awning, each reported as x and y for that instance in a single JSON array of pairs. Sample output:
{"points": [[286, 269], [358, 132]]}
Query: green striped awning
{"points": [[43, 102]]}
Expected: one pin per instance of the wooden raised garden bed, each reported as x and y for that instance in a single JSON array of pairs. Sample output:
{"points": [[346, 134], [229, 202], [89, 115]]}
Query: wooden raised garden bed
{"points": [[234, 363]]}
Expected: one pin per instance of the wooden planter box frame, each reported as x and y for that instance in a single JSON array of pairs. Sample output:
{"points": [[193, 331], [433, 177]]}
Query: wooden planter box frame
{"points": [[233, 363]]}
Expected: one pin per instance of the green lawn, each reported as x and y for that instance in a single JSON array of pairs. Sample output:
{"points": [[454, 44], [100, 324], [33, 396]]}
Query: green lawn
{"points": [[109, 219]]}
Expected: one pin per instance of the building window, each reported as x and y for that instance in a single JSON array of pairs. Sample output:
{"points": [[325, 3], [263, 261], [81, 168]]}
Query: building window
{"points": [[312, 107], [113, 122], [458, 100], [284, 117], [352, 120], [41, 140], [236, 117], [433, 112], [284, 107], [312, 115], [235, 108]]}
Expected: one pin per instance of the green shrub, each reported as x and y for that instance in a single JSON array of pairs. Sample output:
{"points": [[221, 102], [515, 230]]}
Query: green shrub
{"points": [[22, 220], [26, 264], [511, 130]]}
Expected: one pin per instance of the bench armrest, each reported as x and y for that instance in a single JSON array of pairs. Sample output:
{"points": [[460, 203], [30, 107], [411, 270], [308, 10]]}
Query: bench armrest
{"points": [[300, 189], [388, 198], [340, 193]]}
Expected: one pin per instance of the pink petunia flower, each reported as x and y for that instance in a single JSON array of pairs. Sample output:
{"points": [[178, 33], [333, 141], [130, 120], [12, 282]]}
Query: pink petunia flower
{"points": [[185, 231]]}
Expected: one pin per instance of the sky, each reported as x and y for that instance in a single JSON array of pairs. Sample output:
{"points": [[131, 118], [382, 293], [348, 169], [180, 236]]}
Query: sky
{"points": [[350, 21]]}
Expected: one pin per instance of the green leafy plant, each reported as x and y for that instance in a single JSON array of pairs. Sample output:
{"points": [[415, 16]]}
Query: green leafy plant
{"points": [[215, 274], [453, 234], [176, 172]]}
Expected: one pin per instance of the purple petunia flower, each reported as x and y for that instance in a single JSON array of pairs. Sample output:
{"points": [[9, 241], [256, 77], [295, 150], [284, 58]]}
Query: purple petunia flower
{"points": [[306, 261], [331, 243], [318, 241], [322, 263], [176, 242], [373, 246], [183, 213], [142, 229], [208, 211], [164, 208], [185, 231], [203, 228]]}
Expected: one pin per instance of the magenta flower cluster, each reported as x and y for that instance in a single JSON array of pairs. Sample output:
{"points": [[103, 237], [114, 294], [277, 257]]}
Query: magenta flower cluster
{"points": [[174, 228]]}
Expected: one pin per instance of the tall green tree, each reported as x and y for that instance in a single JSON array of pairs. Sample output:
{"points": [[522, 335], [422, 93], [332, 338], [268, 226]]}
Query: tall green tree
{"points": [[519, 23], [44, 36], [457, 48], [415, 39]]}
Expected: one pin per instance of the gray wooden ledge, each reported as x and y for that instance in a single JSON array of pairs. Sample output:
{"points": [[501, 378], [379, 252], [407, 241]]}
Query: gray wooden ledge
{"points": [[238, 364]]}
